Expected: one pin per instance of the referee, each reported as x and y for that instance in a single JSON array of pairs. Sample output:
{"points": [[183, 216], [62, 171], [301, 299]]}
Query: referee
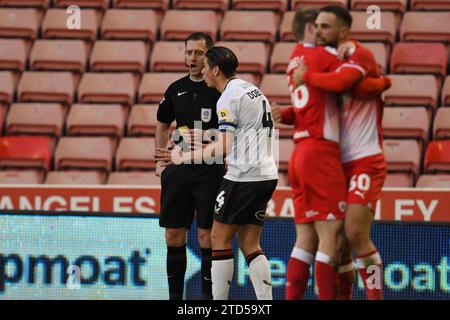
{"points": [[189, 189]]}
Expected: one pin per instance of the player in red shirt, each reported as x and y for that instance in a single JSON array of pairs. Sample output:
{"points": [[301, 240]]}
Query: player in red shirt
{"points": [[361, 147]]}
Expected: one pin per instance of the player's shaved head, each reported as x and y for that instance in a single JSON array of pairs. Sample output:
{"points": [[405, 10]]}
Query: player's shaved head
{"points": [[301, 19]]}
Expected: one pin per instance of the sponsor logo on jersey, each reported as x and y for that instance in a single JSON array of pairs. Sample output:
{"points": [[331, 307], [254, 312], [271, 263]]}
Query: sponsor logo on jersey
{"points": [[206, 115], [342, 206], [181, 93], [223, 113], [311, 213]]}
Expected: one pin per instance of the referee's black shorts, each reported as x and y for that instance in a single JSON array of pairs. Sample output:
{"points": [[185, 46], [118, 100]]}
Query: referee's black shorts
{"points": [[189, 190]]}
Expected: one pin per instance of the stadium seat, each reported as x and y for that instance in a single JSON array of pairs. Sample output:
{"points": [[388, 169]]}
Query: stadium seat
{"points": [[249, 26], [425, 26], [36, 118], [385, 5], [134, 178], [433, 181], [275, 88], [19, 23], [178, 24], [398, 180], [380, 53], [286, 147], [441, 127], [147, 4], [406, 122], [46, 87], [130, 24], [135, 154], [14, 54], [42, 4], [52, 55], [96, 4], [280, 56], [168, 56], [118, 55], [286, 33], [142, 120], [386, 33], [107, 88], [3, 110], [437, 157], [403, 156], [21, 177], [297, 4], [96, 119], [154, 84], [8, 82], [218, 5], [409, 57], [54, 25], [285, 131], [76, 177], [26, 152], [445, 100], [417, 90], [94, 153], [433, 5], [252, 56], [250, 77], [283, 179], [274, 5]]}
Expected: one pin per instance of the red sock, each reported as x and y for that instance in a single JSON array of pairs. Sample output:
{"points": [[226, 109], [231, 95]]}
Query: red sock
{"points": [[326, 277], [371, 271], [346, 278], [297, 275]]}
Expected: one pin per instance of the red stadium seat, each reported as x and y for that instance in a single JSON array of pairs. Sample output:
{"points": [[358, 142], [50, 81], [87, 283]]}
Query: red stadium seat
{"points": [[54, 25], [94, 153], [21, 177], [403, 156], [422, 57], [148, 4], [430, 5], [286, 33], [46, 87], [153, 85], [19, 23], [14, 54], [425, 26], [134, 178], [433, 181], [391, 5], [280, 56], [285, 131], [178, 24], [437, 157], [168, 56], [380, 53], [249, 26], [414, 90], [36, 118], [128, 24], [96, 119], [283, 179], [275, 5], [8, 82], [406, 122], [117, 55], [398, 180], [286, 147], [53, 55], [96, 4], [250, 77], [76, 177], [297, 4], [26, 152], [107, 88], [275, 88], [218, 5], [252, 56], [142, 120], [42, 4], [441, 127], [135, 154], [386, 33], [445, 100]]}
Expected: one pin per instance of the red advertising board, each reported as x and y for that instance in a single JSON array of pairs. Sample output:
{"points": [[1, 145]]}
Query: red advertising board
{"points": [[394, 205]]}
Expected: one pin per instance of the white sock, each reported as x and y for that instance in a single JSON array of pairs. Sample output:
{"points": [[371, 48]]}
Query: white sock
{"points": [[261, 277], [221, 276]]}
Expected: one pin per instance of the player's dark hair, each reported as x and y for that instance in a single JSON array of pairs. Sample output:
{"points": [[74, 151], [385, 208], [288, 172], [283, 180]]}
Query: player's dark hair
{"points": [[341, 13], [224, 58], [200, 36], [301, 18]]}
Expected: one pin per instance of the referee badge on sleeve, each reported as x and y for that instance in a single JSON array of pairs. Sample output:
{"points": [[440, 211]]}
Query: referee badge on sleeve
{"points": [[206, 115]]}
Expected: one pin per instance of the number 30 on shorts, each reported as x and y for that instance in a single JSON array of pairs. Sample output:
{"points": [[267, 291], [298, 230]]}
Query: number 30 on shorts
{"points": [[360, 182]]}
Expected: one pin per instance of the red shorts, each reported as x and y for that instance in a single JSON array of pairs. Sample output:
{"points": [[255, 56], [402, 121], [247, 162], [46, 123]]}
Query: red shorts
{"points": [[365, 179], [317, 180]]}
